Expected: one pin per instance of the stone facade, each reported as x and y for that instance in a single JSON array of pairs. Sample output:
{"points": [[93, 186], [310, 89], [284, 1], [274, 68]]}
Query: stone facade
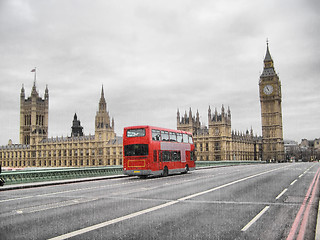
{"points": [[37, 150], [217, 142]]}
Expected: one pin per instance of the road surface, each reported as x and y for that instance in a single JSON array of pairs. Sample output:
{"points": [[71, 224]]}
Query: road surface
{"points": [[265, 201]]}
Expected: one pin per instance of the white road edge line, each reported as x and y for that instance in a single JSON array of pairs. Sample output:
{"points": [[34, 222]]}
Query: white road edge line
{"points": [[246, 227], [279, 196], [135, 214]]}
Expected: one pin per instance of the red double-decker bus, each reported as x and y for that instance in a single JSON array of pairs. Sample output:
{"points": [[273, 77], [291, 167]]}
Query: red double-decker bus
{"points": [[156, 151]]}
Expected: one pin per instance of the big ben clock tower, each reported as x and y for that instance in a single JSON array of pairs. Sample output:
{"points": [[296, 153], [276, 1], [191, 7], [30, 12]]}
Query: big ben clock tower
{"points": [[271, 112]]}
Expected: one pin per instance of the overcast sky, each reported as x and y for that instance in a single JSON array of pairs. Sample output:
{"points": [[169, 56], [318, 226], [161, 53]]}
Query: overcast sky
{"points": [[154, 57]]}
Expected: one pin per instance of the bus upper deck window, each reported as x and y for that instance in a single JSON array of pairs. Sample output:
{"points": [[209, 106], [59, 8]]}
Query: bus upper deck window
{"points": [[179, 137], [173, 137], [190, 139], [155, 135], [185, 138], [164, 136]]}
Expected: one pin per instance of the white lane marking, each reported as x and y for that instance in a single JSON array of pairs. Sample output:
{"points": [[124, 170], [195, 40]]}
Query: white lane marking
{"points": [[104, 224], [279, 196], [293, 182], [246, 227], [53, 205], [225, 185], [132, 215], [300, 175], [14, 199]]}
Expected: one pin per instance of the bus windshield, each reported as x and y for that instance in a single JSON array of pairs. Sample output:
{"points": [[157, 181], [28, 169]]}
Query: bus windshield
{"points": [[136, 150]]}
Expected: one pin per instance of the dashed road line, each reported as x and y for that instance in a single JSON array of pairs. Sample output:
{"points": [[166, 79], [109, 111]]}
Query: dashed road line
{"points": [[246, 227], [283, 192], [293, 182]]}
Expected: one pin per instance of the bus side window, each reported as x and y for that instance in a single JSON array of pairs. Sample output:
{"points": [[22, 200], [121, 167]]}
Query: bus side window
{"points": [[155, 155], [173, 137], [155, 135], [179, 137], [185, 138], [176, 156], [190, 139], [166, 156], [160, 156], [164, 136]]}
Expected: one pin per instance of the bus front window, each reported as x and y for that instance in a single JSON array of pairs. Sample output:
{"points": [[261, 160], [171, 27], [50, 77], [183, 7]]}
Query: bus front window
{"points": [[139, 132], [136, 150]]}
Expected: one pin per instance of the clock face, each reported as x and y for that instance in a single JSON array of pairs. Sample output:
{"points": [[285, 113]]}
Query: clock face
{"points": [[268, 89]]}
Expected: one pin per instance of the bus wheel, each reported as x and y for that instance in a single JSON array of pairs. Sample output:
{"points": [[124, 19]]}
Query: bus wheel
{"points": [[165, 172], [186, 169]]}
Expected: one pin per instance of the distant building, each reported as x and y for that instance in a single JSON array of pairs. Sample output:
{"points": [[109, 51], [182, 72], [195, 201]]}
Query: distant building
{"points": [[37, 150], [217, 142], [310, 149]]}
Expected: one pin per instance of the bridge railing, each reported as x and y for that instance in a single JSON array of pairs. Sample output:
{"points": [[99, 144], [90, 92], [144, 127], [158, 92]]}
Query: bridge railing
{"points": [[54, 174], [226, 163], [42, 175]]}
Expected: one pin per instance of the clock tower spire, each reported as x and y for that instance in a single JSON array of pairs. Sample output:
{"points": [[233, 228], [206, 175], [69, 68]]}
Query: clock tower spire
{"points": [[271, 112]]}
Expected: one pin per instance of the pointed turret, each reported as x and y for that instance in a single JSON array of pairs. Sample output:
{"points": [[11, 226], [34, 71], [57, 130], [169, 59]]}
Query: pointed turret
{"points": [[268, 65], [197, 117], [22, 94], [103, 130], [46, 93], [190, 114], [215, 114], [209, 114], [34, 90], [102, 102], [268, 57]]}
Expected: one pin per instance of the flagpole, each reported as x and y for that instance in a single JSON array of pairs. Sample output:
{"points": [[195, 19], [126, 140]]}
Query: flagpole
{"points": [[35, 75]]}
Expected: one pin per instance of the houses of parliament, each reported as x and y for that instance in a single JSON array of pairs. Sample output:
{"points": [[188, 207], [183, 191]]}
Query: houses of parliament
{"points": [[215, 142]]}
